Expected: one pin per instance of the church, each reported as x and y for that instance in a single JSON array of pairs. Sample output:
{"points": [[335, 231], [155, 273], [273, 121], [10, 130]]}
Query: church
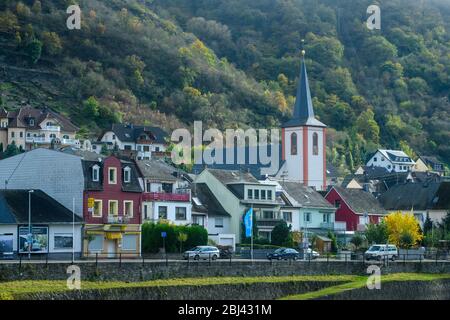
{"points": [[303, 145]]}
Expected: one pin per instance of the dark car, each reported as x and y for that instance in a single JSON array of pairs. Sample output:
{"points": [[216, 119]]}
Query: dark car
{"points": [[225, 252], [284, 254]]}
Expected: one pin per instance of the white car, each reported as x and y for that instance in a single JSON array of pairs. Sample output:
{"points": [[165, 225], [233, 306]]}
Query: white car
{"points": [[381, 251], [202, 252], [310, 252]]}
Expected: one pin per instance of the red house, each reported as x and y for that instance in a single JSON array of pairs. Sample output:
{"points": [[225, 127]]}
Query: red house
{"points": [[111, 207], [355, 207]]}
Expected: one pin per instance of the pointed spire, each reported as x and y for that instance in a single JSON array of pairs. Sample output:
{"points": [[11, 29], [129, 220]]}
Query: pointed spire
{"points": [[303, 108]]}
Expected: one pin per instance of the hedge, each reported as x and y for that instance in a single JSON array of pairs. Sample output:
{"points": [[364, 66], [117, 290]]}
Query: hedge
{"points": [[152, 240]]}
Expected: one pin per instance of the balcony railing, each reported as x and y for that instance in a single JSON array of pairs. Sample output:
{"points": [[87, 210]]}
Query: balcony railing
{"points": [[38, 140], [158, 196], [52, 128], [333, 226], [116, 220], [70, 141]]}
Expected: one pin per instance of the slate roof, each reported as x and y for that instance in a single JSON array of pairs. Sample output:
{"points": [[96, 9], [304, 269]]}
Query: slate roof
{"points": [[158, 170], [90, 185], [208, 200], [303, 108], [84, 154], [305, 196], [248, 166], [233, 176], [130, 133], [44, 209], [433, 162], [3, 113], [360, 201], [420, 196], [19, 119], [397, 156]]}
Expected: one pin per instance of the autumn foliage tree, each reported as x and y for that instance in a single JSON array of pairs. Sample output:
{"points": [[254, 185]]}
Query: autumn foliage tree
{"points": [[402, 226]]}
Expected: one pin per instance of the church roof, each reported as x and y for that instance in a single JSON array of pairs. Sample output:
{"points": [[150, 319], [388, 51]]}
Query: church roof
{"points": [[303, 108]]}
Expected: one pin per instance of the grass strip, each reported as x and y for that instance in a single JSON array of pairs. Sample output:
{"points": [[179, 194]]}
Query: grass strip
{"points": [[15, 289], [361, 282]]}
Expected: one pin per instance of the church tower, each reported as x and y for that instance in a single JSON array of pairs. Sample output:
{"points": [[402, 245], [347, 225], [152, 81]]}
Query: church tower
{"points": [[304, 140]]}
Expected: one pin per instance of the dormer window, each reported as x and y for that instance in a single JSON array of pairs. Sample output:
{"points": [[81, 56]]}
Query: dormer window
{"points": [[127, 175], [31, 121], [95, 173]]}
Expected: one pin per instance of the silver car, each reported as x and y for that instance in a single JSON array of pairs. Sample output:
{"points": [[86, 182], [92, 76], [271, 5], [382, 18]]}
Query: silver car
{"points": [[202, 252]]}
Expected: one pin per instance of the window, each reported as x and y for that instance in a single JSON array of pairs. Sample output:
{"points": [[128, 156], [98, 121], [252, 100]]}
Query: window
{"points": [[148, 186], [98, 208], [162, 212], [269, 215], [375, 159], [287, 216], [52, 136], [31, 122], [389, 166], [249, 194], [294, 144], [127, 147], [382, 159], [263, 194], [21, 134], [127, 175], [63, 241], [337, 204], [307, 216], [146, 148], [113, 208], [66, 137], [112, 176], [114, 137], [167, 187], [256, 194], [315, 144], [13, 134], [95, 173], [326, 217], [157, 149], [218, 222], [96, 244], [128, 209], [129, 242], [180, 213], [269, 194], [146, 211]]}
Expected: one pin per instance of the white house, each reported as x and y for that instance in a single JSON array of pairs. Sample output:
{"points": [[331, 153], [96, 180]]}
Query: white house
{"points": [[392, 160]]}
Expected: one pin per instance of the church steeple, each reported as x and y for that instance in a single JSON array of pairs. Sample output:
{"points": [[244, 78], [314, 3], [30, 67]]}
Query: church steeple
{"points": [[303, 108]]}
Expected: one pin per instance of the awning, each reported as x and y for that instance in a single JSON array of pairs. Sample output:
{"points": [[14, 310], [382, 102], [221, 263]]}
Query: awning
{"points": [[113, 235]]}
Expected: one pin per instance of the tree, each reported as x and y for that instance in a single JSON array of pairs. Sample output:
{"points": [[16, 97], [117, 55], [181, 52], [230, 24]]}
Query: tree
{"points": [[182, 237], [368, 127], [377, 233], [52, 43], [11, 150], [357, 241], [400, 226], [34, 50], [334, 246], [428, 224], [91, 108], [281, 234]]}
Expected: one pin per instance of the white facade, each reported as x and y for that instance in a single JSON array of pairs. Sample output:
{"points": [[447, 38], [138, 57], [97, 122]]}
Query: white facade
{"points": [[151, 211], [402, 162], [53, 230], [308, 168]]}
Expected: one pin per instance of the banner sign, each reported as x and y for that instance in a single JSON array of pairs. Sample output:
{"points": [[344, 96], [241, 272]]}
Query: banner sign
{"points": [[248, 221], [38, 241]]}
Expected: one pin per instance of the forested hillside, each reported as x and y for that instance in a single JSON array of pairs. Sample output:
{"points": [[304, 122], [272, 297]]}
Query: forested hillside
{"points": [[236, 63]]}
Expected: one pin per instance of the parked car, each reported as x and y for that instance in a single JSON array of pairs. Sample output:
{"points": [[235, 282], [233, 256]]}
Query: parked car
{"points": [[284, 254], [381, 251], [311, 253], [202, 252], [225, 252]]}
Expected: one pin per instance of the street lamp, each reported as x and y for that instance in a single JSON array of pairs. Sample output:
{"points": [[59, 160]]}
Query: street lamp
{"points": [[30, 234]]}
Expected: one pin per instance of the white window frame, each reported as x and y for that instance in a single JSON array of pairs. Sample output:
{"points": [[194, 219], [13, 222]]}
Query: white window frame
{"points": [[132, 209], [101, 209], [127, 170], [115, 175], [96, 169], [109, 208]]}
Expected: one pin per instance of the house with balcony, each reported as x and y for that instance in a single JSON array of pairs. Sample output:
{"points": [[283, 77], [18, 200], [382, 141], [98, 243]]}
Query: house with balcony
{"points": [[237, 192], [306, 210], [30, 128], [138, 142], [167, 195], [355, 207], [111, 207]]}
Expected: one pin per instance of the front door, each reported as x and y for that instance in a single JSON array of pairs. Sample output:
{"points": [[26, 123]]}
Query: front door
{"points": [[111, 248]]}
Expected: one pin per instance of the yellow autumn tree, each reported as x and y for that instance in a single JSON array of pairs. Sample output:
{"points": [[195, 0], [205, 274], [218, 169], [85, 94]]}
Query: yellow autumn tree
{"points": [[403, 229]]}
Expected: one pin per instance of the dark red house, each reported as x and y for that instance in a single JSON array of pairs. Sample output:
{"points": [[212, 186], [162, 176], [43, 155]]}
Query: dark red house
{"points": [[111, 207], [355, 207]]}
